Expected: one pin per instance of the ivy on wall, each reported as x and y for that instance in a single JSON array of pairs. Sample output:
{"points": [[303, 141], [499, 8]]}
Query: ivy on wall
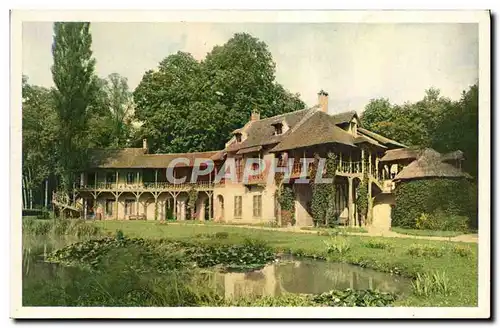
{"points": [[441, 198], [192, 197], [286, 200], [362, 197], [323, 194]]}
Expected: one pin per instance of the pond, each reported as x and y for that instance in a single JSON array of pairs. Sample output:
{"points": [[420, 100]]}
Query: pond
{"points": [[307, 276]]}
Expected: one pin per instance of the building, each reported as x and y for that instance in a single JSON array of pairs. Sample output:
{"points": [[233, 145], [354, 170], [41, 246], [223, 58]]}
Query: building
{"points": [[132, 184]]}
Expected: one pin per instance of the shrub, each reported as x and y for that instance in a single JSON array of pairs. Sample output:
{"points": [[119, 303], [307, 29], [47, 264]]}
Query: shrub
{"points": [[463, 251], [378, 244], [337, 245], [425, 250], [428, 284], [449, 199]]}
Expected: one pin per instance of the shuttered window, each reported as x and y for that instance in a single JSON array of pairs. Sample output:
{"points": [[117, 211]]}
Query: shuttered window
{"points": [[237, 207], [257, 206]]}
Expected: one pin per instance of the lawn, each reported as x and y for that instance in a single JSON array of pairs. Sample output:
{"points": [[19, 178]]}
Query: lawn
{"points": [[436, 233], [457, 261]]}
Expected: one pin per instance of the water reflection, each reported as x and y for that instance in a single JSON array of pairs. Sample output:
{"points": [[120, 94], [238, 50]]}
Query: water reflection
{"points": [[292, 275]]}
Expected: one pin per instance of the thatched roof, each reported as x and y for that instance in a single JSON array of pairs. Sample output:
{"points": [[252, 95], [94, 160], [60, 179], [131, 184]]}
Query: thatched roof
{"points": [[261, 132], [361, 138], [136, 158], [320, 128], [383, 140], [248, 150], [429, 165], [345, 117], [400, 154]]}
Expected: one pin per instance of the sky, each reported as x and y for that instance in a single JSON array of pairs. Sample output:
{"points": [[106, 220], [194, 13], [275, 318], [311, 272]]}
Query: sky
{"points": [[352, 62]]}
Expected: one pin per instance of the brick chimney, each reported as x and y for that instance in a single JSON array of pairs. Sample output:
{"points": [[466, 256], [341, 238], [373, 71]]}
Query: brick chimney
{"points": [[255, 115], [145, 145], [323, 101]]}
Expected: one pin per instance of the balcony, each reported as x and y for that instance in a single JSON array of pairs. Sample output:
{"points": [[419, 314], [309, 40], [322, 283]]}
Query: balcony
{"points": [[145, 186]]}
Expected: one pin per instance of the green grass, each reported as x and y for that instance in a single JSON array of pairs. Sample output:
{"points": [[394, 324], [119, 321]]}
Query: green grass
{"points": [[434, 233], [461, 270]]}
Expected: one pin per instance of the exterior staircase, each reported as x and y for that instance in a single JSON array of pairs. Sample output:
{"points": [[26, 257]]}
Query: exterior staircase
{"points": [[63, 202]]}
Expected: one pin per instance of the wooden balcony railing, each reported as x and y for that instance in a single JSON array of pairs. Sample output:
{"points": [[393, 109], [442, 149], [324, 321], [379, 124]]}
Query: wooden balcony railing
{"points": [[146, 186]]}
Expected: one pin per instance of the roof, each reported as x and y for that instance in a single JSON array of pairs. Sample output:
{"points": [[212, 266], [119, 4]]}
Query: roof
{"points": [[385, 141], [430, 165], [361, 138], [136, 158], [319, 128], [253, 149], [399, 154], [261, 132], [345, 117]]}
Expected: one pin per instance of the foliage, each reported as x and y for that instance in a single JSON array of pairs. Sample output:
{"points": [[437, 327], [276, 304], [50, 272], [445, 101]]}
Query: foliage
{"points": [[186, 105], [39, 134], [377, 244], [463, 251], [192, 197], [323, 194], [446, 200], [350, 297], [425, 251], [337, 245], [428, 284], [434, 121], [362, 196], [73, 75], [286, 199], [416, 232]]}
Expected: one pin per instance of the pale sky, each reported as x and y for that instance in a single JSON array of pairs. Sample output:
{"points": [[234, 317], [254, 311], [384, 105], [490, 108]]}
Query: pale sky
{"points": [[352, 62]]}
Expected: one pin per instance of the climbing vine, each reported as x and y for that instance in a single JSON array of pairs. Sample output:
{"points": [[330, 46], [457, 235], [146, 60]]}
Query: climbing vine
{"points": [[362, 197], [192, 197], [286, 199], [323, 194]]}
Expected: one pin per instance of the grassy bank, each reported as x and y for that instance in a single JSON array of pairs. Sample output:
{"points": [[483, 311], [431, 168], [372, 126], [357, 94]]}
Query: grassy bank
{"points": [[446, 272]]}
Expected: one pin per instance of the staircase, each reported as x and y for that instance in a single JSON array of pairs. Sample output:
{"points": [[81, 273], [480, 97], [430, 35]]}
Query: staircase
{"points": [[63, 202]]}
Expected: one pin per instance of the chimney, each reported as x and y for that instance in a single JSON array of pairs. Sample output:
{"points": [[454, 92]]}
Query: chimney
{"points": [[255, 115], [145, 145], [323, 101]]}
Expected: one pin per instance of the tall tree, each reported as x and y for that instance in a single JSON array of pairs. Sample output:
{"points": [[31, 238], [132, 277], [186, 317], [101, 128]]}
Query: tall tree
{"points": [[73, 75], [39, 136], [186, 105]]}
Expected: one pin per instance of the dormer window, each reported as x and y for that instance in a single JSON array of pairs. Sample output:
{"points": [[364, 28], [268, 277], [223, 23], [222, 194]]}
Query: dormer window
{"points": [[353, 128], [278, 129], [238, 137]]}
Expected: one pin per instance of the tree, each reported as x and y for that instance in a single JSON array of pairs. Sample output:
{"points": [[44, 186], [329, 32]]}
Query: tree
{"points": [[39, 135], [73, 75], [186, 105]]}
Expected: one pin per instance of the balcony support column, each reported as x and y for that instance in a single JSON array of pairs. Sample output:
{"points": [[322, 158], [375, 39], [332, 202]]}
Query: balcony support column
{"points": [[376, 167], [370, 163], [362, 161], [84, 199]]}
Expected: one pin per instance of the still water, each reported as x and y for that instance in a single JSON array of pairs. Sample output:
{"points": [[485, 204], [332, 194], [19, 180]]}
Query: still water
{"points": [[308, 276]]}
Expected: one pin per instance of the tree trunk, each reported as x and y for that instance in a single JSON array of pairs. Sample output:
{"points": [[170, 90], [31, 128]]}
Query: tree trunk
{"points": [[47, 193], [25, 199]]}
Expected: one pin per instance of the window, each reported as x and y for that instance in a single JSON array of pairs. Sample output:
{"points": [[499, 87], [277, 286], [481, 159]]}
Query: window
{"points": [[238, 137], [237, 206], [109, 206], [257, 206], [129, 206], [278, 129], [131, 177]]}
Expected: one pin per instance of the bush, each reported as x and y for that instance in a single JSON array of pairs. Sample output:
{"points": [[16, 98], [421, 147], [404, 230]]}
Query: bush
{"points": [[425, 251], [463, 251], [339, 246], [221, 235], [378, 244], [440, 221], [447, 199]]}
